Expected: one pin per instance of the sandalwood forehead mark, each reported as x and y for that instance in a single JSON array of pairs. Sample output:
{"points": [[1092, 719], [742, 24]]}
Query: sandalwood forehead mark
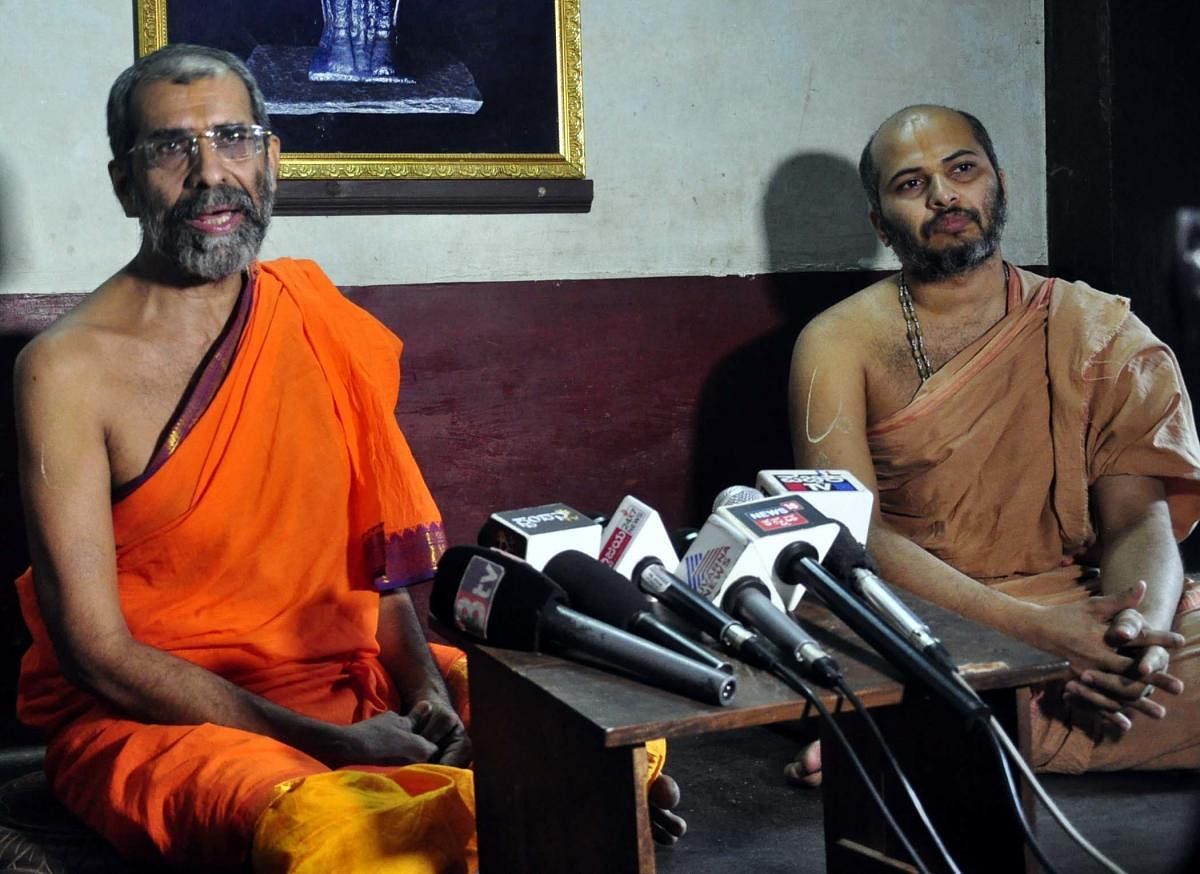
{"points": [[921, 131]]}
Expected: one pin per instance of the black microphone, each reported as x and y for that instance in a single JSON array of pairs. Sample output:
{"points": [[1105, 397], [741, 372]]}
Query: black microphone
{"points": [[850, 562], [599, 591], [654, 579], [505, 602], [748, 599], [797, 564]]}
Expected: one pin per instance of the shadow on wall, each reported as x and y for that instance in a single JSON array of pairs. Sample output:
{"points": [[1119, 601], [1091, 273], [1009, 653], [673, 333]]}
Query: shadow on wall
{"points": [[6, 219], [819, 241], [14, 638], [815, 216]]}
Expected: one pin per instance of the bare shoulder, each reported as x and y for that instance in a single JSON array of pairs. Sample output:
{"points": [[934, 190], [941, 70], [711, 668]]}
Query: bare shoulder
{"points": [[68, 360], [849, 329], [830, 379], [62, 358]]}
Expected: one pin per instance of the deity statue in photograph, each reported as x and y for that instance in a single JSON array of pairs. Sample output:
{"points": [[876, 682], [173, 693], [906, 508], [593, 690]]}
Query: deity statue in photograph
{"points": [[356, 44]]}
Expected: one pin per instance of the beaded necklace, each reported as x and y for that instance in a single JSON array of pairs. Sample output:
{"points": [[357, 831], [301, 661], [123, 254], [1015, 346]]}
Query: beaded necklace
{"points": [[912, 328]]}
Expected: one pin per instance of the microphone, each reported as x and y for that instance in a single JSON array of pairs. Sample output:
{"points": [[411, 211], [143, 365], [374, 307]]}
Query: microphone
{"points": [[736, 495], [537, 534], [836, 493], [744, 539], [505, 602], [797, 561], [850, 562], [634, 532], [748, 600], [654, 579], [599, 591]]}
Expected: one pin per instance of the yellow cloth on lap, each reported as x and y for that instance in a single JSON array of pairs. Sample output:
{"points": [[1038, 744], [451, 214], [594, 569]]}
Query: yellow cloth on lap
{"points": [[656, 758], [416, 819]]}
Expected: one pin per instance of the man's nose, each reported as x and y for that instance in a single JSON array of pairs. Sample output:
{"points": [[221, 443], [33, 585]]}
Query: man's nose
{"points": [[206, 168], [941, 193]]}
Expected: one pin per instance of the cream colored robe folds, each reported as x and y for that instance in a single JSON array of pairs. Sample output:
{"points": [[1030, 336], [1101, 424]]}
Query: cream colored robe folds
{"points": [[989, 468]]}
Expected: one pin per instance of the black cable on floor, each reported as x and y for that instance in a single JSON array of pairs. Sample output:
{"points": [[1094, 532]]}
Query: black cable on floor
{"points": [[1015, 797], [793, 679], [844, 689]]}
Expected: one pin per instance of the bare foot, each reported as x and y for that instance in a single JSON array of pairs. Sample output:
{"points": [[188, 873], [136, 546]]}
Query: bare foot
{"points": [[805, 769], [666, 826]]}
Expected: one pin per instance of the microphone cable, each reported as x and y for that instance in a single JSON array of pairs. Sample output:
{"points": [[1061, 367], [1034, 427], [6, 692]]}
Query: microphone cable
{"points": [[997, 733], [746, 600], [844, 689], [1014, 796], [790, 676], [1002, 744]]}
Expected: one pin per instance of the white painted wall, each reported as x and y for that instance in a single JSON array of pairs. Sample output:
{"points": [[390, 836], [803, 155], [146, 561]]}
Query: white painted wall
{"points": [[692, 109]]}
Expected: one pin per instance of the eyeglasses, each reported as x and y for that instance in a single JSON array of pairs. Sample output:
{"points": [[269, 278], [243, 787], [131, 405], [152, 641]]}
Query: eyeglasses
{"points": [[231, 142]]}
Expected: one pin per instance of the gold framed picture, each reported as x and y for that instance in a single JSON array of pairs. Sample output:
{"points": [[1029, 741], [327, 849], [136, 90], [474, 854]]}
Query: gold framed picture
{"points": [[363, 90]]}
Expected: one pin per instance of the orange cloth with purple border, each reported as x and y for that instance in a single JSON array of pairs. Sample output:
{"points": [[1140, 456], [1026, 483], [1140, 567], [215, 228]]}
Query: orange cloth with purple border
{"points": [[250, 551]]}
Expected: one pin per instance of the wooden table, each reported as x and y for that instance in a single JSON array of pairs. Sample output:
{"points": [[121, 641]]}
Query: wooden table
{"points": [[560, 758]]}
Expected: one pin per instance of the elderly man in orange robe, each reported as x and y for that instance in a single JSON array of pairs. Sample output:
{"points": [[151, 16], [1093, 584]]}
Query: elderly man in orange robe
{"points": [[1031, 445], [218, 494], [223, 519]]}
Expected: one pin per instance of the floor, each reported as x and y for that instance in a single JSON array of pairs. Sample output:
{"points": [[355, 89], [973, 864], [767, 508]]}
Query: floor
{"points": [[742, 817]]}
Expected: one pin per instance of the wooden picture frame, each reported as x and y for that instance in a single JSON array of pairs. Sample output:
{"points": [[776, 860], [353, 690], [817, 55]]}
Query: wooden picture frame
{"points": [[485, 92]]}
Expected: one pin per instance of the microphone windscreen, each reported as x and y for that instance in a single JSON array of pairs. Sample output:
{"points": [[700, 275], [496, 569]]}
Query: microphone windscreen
{"points": [[492, 596], [845, 554], [734, 495], [594, 588]]}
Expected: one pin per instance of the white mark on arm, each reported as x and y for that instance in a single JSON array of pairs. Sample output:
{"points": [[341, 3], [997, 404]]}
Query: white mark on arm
{"points": [[808, 435]]}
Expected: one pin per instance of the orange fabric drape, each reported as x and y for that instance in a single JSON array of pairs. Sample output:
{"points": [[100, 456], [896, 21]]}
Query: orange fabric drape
{"points": [[989, 468], [251, 552]]}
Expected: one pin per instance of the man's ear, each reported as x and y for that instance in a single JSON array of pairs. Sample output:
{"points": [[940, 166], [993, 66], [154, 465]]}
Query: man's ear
{"points": [[273, 150], [874, 218], [123, 187]]}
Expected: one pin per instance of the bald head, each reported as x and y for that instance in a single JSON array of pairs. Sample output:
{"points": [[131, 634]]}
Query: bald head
{"points": [[905, 122]]}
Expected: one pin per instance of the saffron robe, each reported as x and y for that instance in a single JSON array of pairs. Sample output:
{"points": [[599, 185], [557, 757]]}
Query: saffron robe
{"points": [[989, 466], [253, 550]]}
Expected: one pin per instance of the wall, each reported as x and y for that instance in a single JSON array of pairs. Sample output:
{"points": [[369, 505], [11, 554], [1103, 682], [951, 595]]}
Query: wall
{"points": [[708, 124]]}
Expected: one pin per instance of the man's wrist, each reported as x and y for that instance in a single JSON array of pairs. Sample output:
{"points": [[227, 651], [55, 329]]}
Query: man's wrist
{"points": [[1019, 619]]}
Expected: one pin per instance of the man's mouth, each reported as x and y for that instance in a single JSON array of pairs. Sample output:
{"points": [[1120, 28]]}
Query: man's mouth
{"points": [[221, 220], [950, 223]]}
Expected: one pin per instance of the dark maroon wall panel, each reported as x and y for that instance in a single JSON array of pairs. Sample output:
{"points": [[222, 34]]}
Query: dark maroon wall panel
{"points": [[523, 393]]}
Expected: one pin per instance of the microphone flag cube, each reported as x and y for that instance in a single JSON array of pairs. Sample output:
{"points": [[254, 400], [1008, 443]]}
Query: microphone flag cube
{"points": [[745, 539], [537, 534], [836, 493], [634, 532]]}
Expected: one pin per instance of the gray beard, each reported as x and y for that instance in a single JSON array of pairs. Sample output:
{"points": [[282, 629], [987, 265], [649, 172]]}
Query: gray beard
{"points": [[921, 262], [204, 256]]}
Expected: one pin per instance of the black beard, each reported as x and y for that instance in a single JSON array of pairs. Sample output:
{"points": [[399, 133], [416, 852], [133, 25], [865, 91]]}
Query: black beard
{"points": [[923, 263], [203, 256]]}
